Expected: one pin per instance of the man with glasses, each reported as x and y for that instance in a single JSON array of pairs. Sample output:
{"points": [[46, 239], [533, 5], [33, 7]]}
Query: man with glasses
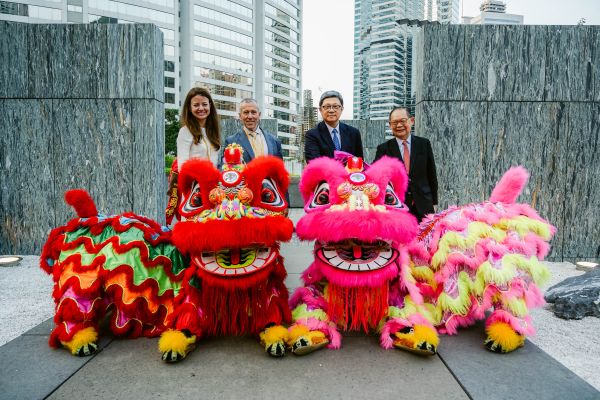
{"points": [[416, 154], [330, 134]]}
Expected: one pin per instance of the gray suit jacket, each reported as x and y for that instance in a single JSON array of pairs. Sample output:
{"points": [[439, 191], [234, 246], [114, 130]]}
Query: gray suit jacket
{"points": [[273, 145]]}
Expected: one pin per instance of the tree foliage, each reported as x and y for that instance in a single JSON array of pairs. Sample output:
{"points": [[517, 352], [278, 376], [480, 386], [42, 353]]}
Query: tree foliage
{"points": [[171, 130]]}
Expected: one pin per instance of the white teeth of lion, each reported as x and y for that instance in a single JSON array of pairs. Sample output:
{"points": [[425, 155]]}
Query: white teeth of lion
{"points": [[372, 265], [353, 267], [380, 261], [207, 257], [259, 262], [386, 254], [329, 254], [219, 270], [250, 268], [336, 261], [230, 272]]}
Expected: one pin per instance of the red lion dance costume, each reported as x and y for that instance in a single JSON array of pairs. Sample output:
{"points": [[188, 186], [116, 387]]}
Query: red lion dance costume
{"points": [[219, 272], [376, 270]]}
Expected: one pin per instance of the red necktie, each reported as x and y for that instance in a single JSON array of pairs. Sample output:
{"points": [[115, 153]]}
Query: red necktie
{"points": [[406, 156]]}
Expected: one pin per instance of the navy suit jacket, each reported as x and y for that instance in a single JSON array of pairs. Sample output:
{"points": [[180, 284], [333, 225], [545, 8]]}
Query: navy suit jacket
{"points": [[273, 145], [422, 178], [318, 141]]}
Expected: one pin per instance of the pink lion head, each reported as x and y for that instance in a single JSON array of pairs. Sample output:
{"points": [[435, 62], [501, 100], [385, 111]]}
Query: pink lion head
{"points": [[357, 217]]}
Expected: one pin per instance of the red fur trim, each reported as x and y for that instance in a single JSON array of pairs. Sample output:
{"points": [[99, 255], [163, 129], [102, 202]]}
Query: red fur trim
{"points": [[259, 169], [357, 307], [62, 333], [82, 202], [192, 237]]}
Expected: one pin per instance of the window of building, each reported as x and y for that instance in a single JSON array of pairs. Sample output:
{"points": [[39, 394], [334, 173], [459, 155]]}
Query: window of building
{"points": [[170, 98], [223, 18], [209, 73], [231, 6], [27, 10], [211, 29], [223, 47], [169, 51], [222, 61], [169, 82], [130, 9], [282, 15], [223, 90], [169, 66]]}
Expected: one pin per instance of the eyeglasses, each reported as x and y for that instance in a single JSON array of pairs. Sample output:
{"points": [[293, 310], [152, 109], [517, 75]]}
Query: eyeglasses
{"points": [[331, 107], [399, 121]]}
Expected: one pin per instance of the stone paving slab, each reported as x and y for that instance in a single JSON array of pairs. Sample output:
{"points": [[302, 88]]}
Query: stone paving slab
{"points": [[33, 370], [528, 373], [237, 368]]}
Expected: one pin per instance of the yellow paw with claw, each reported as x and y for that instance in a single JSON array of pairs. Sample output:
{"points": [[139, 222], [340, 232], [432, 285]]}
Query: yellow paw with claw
{"points": [[303, 341], [274, 338], [419, 339], [502, 338], [83, 342], [175, 345]]}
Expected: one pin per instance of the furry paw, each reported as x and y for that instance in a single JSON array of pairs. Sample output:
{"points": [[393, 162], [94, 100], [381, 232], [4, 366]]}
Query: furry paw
{"points": [[419, 339], [502, 338], [273, 338], [83, 342], [175, 345]]}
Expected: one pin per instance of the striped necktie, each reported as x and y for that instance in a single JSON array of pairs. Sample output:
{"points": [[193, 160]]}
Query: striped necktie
{"points": [[336, 140]]}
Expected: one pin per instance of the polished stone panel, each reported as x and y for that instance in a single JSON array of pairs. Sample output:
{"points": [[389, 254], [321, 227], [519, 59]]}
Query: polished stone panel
{"points": [[533, 135], [135, 62], [572, 63], [149, 194], [442, 56], [93, 150], [27, 184], [581, 188], [502, 63], [14, 71], [457, 131]]}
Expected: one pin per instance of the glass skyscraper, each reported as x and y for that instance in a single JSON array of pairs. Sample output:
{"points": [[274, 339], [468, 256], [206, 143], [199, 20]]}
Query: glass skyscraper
{"points": [[384, 52], [235, 48]]}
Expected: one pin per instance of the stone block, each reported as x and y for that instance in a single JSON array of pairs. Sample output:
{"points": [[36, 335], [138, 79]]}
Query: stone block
{"points": [[135, 62], [14, 60], [27, 193], [576, 297], [40, 74], [149, 193], [440, 63], [533, 135], [572, 63], [579, 183], [93, 149], [457, 131], [503, 62]]}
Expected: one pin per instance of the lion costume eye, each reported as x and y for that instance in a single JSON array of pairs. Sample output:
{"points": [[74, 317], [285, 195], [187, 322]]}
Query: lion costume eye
{"points": [[194, 201], [321, 196], [391, 199], [269, 194]]}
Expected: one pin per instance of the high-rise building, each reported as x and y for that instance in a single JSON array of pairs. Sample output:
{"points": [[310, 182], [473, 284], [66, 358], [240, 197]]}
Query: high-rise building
{"points": [[309, 118], [384, 51], [494, 12], [235, 48]]}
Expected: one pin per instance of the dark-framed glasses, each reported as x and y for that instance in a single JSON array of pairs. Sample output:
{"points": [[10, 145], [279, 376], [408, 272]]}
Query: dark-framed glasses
{"points": [[328, 107]]}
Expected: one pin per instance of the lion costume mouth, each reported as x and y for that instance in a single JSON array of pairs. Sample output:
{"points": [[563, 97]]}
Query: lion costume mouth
{"points": [[236, 262], [356, 255]]}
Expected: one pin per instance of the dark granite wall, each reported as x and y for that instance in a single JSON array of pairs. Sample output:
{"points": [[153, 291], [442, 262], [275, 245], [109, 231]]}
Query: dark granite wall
{"points": [[81, 106], [490, 97]]}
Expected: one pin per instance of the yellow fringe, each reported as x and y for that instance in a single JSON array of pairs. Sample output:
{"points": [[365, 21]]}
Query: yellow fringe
{"points": [[175, 341], [274, 334], [81, 338], [504, 334]]}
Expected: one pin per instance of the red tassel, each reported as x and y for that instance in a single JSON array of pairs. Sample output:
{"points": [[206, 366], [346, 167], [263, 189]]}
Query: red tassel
{"points": [[354, 308]]}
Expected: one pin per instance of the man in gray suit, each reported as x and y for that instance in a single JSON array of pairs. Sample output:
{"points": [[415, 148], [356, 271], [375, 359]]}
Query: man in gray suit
{"points": [[254, 140]]}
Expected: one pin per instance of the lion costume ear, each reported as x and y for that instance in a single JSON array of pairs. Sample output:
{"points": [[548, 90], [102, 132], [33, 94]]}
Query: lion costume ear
{"points": [[201, 171], [316, 171], [388, 170]]}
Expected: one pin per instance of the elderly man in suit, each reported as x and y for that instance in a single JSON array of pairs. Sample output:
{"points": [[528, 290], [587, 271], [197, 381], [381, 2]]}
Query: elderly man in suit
{"points": [[254, 140], [416, 154], [330, 134]]}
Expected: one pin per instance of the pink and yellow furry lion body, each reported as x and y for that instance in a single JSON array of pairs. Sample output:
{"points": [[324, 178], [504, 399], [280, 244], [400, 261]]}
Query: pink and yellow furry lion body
{"points": [[375, 269]]}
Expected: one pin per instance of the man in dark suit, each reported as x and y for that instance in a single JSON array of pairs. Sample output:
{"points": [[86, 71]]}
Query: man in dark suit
{"points": [[254, 140], [330, 134], [416, 154]]}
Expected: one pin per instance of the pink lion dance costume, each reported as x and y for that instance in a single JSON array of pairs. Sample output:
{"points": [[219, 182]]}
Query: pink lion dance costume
{"points": [[486, 256], [218, 273], [374, 269], [361, 277]]}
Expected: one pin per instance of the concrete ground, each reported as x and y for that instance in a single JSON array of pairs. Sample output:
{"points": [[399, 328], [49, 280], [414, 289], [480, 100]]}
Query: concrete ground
{"points": [[560, 362]]}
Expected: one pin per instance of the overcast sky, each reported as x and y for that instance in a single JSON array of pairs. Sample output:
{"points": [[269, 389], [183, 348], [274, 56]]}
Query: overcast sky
{"points": [[328, 47]]}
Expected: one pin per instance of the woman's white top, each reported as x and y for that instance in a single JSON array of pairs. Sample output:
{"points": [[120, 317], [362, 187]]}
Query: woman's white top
{"points": [[187, 149]]}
